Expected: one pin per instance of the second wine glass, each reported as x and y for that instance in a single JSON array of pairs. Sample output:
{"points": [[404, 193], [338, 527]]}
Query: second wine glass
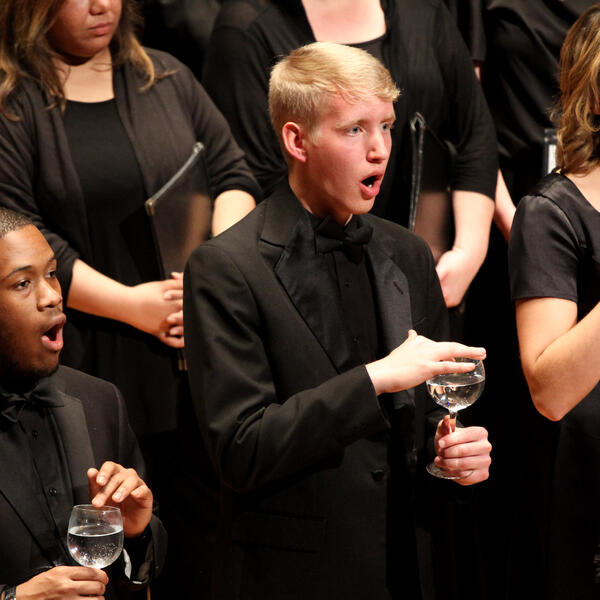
{"points": [[455, 391], [95, 535]]}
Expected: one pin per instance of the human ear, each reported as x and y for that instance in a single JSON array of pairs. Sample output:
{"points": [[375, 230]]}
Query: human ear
{"points": [[294, 139]]}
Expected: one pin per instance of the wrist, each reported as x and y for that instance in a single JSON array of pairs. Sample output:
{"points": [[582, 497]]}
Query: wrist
{"points": [[376, 373]]}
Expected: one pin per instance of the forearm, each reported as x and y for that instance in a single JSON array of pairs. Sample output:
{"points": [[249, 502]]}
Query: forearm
{"points": [[229, 207], [565, 370], [504, 212], [473, 213], [96, 294]]}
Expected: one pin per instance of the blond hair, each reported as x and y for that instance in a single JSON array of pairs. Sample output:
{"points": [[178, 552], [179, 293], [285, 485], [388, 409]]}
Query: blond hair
{"points": [[25, 52], [302, 82], [578, 149]]}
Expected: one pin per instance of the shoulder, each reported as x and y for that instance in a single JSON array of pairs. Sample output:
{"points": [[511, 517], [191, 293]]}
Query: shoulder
{"points": [[241, 14], [83, 386], [554, 197], [240, 241]]}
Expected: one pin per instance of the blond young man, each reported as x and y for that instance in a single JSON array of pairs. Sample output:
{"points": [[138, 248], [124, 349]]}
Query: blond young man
{"points": [[309, 325]]}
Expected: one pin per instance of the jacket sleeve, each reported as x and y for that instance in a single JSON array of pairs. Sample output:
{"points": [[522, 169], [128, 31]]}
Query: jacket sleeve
{"points": [[147, 554], [254, 435]]}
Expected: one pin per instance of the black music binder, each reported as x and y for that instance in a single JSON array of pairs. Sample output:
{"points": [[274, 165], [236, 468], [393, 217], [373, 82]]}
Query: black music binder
{"points": [[180, 213]]}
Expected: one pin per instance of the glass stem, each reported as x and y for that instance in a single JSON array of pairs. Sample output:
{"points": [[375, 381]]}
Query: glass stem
{"points": [[452, 420]]}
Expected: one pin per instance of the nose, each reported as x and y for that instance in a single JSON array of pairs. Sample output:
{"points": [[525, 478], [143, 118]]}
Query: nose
{"points": [[98, 7], [379, 147], [49, 294]]}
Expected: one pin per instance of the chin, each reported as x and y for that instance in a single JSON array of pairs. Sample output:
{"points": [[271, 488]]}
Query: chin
{"points": [[27, 375]]}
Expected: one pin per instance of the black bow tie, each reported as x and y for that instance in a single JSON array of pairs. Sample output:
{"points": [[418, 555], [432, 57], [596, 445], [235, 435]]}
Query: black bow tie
{"points": [[14, 403], [330, 236]]}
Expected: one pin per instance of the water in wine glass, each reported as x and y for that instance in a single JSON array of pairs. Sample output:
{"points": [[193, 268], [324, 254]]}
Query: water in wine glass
{"points": [[95, 535], [456, 391]]}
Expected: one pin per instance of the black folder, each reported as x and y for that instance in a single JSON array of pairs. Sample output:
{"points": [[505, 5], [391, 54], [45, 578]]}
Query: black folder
{"points": [[180, 213], [431, 215]]}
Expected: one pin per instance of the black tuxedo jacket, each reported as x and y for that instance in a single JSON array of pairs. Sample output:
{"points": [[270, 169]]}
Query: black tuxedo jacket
{"points": [[310, 460], [94, 428]]}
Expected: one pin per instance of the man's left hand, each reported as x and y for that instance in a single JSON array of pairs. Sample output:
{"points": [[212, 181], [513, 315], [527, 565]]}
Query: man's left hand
{"points": [[117, 486], [464, 452]]}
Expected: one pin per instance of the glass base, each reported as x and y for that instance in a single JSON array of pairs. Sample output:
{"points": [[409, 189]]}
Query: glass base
{"points": [[434, 470]]}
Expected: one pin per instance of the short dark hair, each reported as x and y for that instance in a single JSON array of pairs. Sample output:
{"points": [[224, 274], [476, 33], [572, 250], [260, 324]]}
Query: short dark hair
{"points": [[12, 221]]}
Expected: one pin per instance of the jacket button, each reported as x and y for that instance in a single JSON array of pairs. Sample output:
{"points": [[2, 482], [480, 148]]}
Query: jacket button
{"points": [[52, 491], [378, 475]]}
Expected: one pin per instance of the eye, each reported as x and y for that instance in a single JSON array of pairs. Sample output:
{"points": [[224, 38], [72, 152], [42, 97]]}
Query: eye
{"points": [[51, 274], [387, 126], [22, 285], [354, 130]]}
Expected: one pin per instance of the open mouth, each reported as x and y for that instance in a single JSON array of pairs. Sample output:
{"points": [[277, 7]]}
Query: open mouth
{"points": [[52, 333], [53, 337], [369, 181]]}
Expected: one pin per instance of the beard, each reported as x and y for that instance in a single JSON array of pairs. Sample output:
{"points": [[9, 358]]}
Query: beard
{"points": [[17, 371]]}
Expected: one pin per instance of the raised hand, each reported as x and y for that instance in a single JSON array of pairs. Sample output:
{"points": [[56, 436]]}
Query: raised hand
{"points": [[418, 359], [117, 486]]}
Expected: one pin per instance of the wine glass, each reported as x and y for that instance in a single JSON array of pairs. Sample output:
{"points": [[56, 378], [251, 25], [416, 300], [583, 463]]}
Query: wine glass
{"points": [[455, 391], [95, 535]]}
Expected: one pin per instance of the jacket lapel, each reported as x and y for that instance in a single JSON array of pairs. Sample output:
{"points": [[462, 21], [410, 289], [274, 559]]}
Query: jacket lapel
{"points": [[288, 244], [393, 305], [71, 422]]}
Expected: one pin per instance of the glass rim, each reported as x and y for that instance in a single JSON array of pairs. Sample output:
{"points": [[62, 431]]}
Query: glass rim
{"points": [[92, 508]]}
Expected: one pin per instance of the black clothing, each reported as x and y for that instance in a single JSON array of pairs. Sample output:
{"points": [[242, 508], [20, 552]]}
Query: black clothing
{"points": [[554, 244], [425, 55], [38, 178], [41, 177], [180, 27], [345, 261], [121, 246], [324, 492], [519, 44], [45, 453]]}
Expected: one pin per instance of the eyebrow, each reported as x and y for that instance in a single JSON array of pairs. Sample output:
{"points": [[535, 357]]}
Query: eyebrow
{"points": [[350, 122], [26, 268]]}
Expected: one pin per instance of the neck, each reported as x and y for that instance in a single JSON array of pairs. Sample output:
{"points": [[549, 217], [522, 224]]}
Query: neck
{"points": [[310, 202], [87, 80], [345, 21]]}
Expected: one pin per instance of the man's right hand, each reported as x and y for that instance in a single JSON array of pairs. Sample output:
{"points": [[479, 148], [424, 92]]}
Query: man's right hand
{"points": [[417, 360], [65, 583]]}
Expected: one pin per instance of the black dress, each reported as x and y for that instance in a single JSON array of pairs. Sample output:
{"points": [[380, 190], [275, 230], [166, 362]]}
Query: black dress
{"points": [[554, 249], [141, 366]]}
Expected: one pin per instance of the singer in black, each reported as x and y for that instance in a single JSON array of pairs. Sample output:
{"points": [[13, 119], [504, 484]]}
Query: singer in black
{"points": [[64, 440], [309, 326]]}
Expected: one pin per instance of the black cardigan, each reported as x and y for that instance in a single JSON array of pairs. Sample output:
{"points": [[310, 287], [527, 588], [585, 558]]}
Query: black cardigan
{"points": [[37, 175]]}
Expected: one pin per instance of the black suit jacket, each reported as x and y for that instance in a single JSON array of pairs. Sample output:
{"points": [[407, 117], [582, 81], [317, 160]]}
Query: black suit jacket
{"points": [[309, 460], [94, 428]]}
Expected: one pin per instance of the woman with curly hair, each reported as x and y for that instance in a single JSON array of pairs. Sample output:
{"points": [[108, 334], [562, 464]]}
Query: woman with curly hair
{"points": [[555, 281], [91, 125]]}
